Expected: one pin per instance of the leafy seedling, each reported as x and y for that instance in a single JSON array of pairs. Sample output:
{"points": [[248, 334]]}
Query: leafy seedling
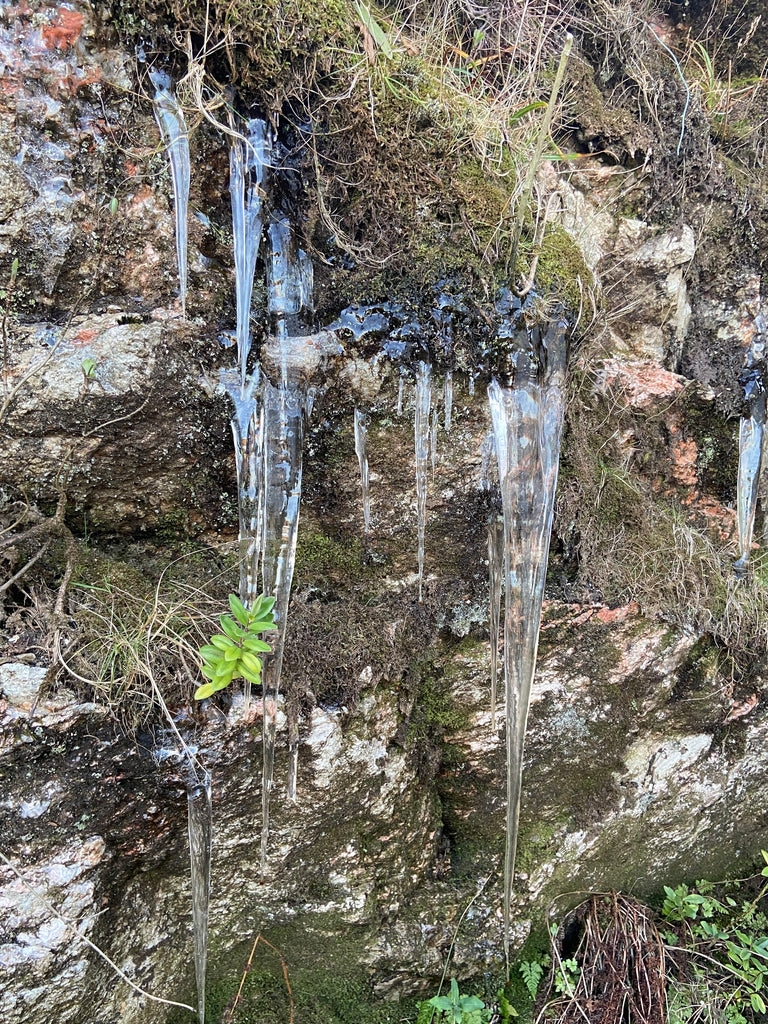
{"points": [[234, 653]]}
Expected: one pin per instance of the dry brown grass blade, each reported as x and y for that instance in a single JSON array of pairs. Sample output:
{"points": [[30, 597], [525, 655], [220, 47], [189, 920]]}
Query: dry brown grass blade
{"points": [[228, 1017]]}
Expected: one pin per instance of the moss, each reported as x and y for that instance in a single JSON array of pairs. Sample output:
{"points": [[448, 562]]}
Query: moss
{"points": [[338, 992], [563, 274], [321, 560]]}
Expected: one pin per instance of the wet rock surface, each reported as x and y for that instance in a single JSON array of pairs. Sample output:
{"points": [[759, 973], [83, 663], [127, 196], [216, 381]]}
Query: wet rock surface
{"points": [[644, 760]]}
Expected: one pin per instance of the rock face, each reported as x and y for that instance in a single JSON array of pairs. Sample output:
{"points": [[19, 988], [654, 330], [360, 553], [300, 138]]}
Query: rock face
{"points": [[644, 751]]}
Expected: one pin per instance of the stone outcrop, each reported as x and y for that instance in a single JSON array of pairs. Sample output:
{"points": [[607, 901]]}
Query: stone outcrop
{"points": [[644, 761]]}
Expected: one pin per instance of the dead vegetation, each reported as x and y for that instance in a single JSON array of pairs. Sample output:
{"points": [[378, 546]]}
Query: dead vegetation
{"points": [[620, 974]]}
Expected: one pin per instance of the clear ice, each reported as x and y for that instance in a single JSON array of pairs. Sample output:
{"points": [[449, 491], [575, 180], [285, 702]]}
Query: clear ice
{"points": [[751, 431], [289, 279], [527, 424], [248, 160], [421, 429], [495, 572], [173, 131], [361, 450], [433, 442], [448, 400], [284, 413], [200, 824]]}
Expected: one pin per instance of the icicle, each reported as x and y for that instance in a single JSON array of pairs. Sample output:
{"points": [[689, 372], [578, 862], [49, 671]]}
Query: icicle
{"points": [[284, 411], [200, 824], [293, 751], [248, 433], [173, 131], [433, 442], [248, 159], [527, 424], [448, 400], [495, 570], [471, 385], [421, 447], [751, 430], [361, 436], [400, 394], [290, 287]]}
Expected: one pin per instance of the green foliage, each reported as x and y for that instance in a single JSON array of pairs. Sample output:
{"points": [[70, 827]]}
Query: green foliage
{"points": [[532, 972], [454, 1008], [233, 653], [725, 941]]}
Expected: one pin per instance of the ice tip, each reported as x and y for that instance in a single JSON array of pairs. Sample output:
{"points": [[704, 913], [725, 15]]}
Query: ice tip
{"points": [[159, 79]]}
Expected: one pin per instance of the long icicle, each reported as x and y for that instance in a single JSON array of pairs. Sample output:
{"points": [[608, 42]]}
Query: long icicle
{"points": [[173, 131], [751, 432], [527, 424], [421, 429], [361, 450], [248, 159], [200, 827], [284, 410], [448, 400], [495, 570]]}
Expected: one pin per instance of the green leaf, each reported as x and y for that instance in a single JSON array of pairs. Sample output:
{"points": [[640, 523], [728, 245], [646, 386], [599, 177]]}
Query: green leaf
{"points": [[222, 642], [113, 205], [469, 1004], [251, 663], [206, 690], [377, 33], [517, 114], [232, 654], [263, 605], [210, 652], [441, 1003], [262, 626], [239, 610], [252, 643], [758, 1005], [231, 628]]}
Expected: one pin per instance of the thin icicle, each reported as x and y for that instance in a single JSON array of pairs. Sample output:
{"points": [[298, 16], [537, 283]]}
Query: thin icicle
{"points": [[293, 751], [248, 158], [495, 571], [421, 449], [284, 411], [200, 825], [527, 423], [361, 450], [400, 394], [433, 442], [471, 385], [751, 431], [448, 400], [173, 131]]}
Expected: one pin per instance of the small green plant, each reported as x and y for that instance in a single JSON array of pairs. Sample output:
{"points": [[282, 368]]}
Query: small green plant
{"points": [[729, 938], [233, 653], [532, 972], [454, 1008]]}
